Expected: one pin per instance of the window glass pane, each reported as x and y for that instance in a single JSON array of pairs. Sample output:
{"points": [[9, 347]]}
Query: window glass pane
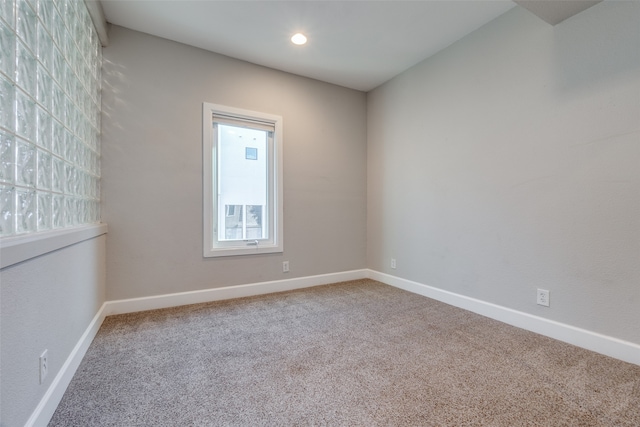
{"points": [[242, 181], [254, 222], [232, 222]]}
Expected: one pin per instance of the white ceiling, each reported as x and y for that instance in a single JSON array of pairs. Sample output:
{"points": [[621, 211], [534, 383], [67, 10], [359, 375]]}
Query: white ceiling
{"points": [[352, 43]]}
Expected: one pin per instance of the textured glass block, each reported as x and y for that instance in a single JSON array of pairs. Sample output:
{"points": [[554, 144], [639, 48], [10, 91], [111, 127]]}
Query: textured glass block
{"points": [[7, 104], [96, 211], [45, 129], [7, 210], [65, 44], [7, 157], [45, 12], [57, 176], [96, 164], [6, 12], [7, 50], [25, 211], [26, 119], [75, 59], [58, 141], [25, 164], [57, 27], [26, 26], [57, 211], [44, 170], [91, 187], [77, 93], [86, 105], [80, 155], [58, 65], [91, 211], [92, 158], [78, 121], [84, 216], [71, 150], [44, 96], [81, 212], [67, 12], [57, 101], [69, 212], [87, 185], [86, 157], [44, 211], [76, 183], [84, 129], [70, 177], [80, 184], [25, 69], [69, 146], [78, 30], [45, 48], [68, 112], [68, 79], [97, 63]]}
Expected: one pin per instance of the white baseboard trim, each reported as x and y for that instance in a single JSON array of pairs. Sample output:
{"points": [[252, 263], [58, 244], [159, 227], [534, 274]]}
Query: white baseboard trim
{"points": [[49, 402], [217, 294], [603, 344]]}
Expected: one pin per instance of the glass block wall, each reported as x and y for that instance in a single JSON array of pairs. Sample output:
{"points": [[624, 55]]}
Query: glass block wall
{"points": [[50, 60]]}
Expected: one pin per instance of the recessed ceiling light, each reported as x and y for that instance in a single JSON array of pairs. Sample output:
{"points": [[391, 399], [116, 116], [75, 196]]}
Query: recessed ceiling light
{"points": [[298, 39]]}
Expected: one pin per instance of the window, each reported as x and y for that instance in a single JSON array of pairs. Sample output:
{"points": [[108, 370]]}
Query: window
{"points": [[50, 79], [242, 186], [251, 153]]}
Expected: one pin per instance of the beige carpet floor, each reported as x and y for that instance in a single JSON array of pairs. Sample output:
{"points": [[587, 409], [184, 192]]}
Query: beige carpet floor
{"points": [[351, 354]]}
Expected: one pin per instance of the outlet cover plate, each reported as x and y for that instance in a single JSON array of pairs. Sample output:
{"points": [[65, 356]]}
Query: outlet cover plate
{"points": [[543, 297], [44, 365]]}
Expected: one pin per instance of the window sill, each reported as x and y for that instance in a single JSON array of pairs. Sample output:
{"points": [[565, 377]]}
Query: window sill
{"points": [[14, 250]]}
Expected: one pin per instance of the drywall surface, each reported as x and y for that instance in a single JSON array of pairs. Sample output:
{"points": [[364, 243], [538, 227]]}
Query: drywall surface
{"points": [[46, 303], [510, 161], [153, 90]]}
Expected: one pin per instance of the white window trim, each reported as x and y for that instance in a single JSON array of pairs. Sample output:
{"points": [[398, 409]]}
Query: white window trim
{"points": [[210, 247]]}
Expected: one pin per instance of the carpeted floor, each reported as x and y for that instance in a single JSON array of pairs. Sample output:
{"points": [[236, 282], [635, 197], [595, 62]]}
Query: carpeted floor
{"points": [[356, 353]]}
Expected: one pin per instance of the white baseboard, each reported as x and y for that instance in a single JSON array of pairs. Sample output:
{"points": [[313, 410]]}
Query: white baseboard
{"points": [[217, 294], [603, 344], [49, 402]]}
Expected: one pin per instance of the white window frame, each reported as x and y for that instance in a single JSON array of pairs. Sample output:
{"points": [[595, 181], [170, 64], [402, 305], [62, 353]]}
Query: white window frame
{"points": [[212, 247]]}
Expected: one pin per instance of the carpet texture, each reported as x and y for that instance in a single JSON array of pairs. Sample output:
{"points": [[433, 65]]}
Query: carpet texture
{"points": [[357, 353]]}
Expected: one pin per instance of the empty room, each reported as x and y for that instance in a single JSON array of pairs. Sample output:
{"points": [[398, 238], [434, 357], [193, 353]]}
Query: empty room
{"points": [[242, 213]]}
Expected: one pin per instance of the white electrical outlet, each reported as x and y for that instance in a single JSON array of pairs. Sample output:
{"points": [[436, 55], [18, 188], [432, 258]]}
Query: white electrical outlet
{"points": [[285, 266], [393, 263], [543, 297], [44, 365]]}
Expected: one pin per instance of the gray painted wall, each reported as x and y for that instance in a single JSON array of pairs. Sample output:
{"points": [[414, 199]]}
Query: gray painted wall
{"points": [[153, 91], [511, 161], [46, 303]]}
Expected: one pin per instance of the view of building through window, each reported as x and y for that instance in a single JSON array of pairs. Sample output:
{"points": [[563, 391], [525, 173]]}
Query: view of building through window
{"points": [[243, 182]]}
